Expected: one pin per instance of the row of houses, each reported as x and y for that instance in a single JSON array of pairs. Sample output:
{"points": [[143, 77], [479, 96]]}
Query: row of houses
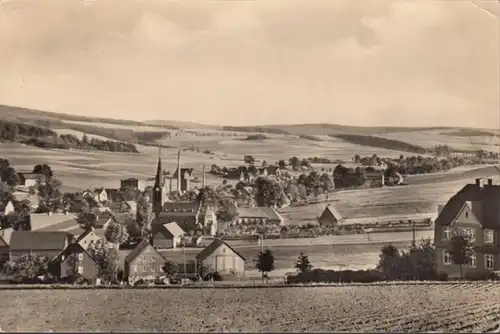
{"points": [[69, 254]]}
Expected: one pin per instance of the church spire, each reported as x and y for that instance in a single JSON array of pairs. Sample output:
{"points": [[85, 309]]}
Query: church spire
{"points": [[158, 186]]}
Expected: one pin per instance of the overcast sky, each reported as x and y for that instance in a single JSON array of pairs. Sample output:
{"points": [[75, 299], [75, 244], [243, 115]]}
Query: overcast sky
{"points": [[356, 62]]}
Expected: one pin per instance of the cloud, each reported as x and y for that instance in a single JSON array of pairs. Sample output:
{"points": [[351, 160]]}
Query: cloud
{"points": [[357, 62]]}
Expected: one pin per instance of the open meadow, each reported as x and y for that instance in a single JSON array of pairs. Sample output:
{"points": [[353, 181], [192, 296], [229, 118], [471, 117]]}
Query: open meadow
{"points": [[466, 307]]}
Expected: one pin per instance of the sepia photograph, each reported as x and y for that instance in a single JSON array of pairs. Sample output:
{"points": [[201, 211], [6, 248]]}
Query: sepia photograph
{"points": [[250, 166]]}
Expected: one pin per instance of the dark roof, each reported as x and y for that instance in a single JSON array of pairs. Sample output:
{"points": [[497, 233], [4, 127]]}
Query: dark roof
{"points": [[138, 250], [31, 175], [207, 251], [129, 179], [72, 248], [181, 209], [33, 240], [487, 195]]}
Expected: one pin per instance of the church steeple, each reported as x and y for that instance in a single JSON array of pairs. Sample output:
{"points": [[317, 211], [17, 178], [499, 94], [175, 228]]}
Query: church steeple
{"points": [[158, 186]]}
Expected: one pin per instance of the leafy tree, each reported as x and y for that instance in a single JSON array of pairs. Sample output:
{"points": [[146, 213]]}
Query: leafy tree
{"points": [[265, 263], [226, 211], [106, 258], [419, 262], [170, 269], [86, 219], [282, 164], [116, 233], [248, 159], [461, 250], [325, 183], [45, 170], [268, 192], [27, 268], [9, 175], [294, 162], [389, 262], [144, 217], [303, 264]]}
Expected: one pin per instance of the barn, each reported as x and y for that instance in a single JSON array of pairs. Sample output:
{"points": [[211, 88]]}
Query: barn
{"points": [[329, 217], [222, 258]]}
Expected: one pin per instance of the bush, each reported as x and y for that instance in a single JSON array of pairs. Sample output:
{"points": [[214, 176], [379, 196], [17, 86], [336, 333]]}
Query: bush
{"points": [[481, 276], [332, 276]]}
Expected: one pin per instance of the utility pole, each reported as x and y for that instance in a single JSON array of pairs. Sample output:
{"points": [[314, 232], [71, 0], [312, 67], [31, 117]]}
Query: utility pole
{"points": [[179, 172], [184, 255], [413, 233]]}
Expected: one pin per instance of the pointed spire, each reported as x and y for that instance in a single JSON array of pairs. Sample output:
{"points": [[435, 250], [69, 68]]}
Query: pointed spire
{"points": [[157, 188], [159, 171]]}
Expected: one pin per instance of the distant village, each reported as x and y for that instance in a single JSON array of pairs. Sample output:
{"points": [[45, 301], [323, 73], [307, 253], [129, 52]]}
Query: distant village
{"points": [[138, 222]]}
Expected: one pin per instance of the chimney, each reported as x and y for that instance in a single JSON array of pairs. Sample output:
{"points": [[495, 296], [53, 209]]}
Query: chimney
{"points": [[203, 178], [179, 172], [490, 182], [478, 182]]}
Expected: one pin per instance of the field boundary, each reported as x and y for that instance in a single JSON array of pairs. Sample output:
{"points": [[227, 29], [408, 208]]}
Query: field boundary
{"points": [[233, 285]]}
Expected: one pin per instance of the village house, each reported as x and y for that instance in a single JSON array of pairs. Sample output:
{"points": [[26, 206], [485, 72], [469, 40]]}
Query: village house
{"points": [[129, 207], [222, 258], [6, 208], [112, 194], [209, 219], [185, 214], [29, 179], [168, 235], [374, 178], [143, 263], [330, 217], [100, 195], [473, 211], [133, 183], [259, 215], [85, 238], [37, 243], [73, 261]]}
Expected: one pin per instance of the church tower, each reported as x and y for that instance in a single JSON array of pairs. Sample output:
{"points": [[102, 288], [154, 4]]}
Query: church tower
{"points": [[158, 187]]}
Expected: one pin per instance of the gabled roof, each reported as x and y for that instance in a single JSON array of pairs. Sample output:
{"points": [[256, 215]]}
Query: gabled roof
{"points": [[98, 191], [210, 249], [174, 229], [32, 240], [489, 196], [72, 248], [138, 250], [333, 211], [466, 205]]}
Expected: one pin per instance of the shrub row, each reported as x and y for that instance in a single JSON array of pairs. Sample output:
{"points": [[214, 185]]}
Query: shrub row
{"points": [[371, 276]]}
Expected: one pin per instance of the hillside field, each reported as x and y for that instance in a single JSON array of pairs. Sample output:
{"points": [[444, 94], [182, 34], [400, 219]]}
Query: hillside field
{"points": [[466, 307]]}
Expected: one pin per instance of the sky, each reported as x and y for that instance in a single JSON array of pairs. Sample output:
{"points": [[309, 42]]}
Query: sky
{"points": [[254, 62]]}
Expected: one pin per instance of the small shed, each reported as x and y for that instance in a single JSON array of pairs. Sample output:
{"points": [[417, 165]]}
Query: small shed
{"points": [[222, 258], [168, 235], [329, 217]]}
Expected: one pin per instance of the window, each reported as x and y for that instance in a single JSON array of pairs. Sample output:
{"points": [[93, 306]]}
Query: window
{"points": [[489, 261], [144, 269], [446, 257], [471, 262], [466, 215], [447, 233], [80, 256], [80, 269], [488, 236], [470, 232]]}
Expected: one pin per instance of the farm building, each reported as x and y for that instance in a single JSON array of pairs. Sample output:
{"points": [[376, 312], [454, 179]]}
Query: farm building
{"points": [[73, 260], [259, 215], [329, 217], [133, 183], [99, 195], [168, 235], [38, 243], [374, 178], [185, 214], [29, 179], [143, 263], [472, 210], [222, 258]]}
